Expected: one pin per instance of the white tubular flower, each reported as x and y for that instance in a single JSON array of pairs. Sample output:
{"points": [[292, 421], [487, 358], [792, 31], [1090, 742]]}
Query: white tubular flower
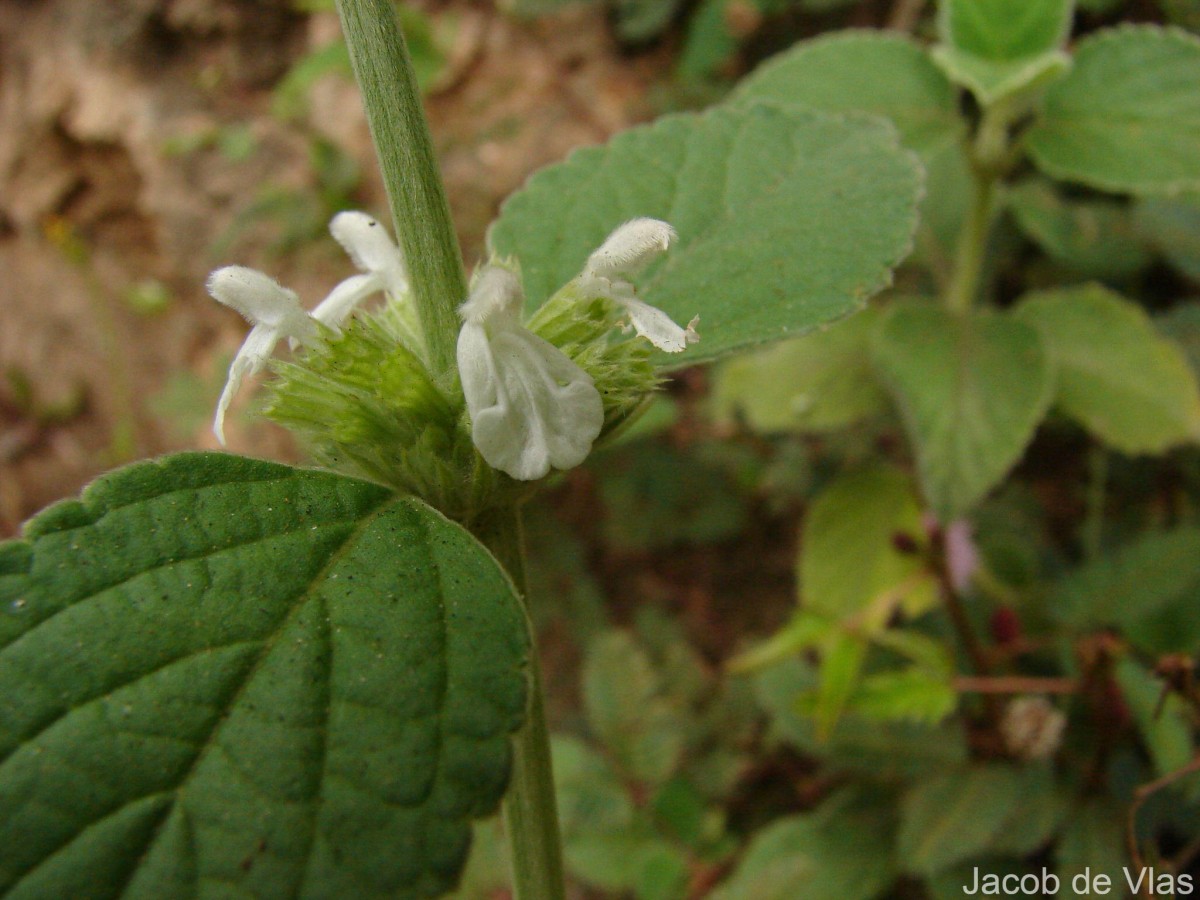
{"points": [[627, 250], [275, 313], [531, 407], [369, 246]]}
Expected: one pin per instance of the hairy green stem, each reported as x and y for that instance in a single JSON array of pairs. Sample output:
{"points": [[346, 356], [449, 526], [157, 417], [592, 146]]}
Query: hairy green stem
{"points": [[972, 244], [530, 810], [420, 213]]}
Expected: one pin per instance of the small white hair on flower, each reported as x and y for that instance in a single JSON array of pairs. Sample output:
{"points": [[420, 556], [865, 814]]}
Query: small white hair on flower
{"points": [[627, 250], [273, 311], [531, 407], [372, 250]]}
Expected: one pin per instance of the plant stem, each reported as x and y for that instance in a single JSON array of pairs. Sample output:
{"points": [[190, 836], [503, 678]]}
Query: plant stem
{"points": [[530, 810], [968, 258], [420, 213]]}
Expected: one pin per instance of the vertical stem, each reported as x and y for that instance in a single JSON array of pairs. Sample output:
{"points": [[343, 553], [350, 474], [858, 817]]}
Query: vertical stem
{"points": [[968, 259], [420, 213], [530, 810]]}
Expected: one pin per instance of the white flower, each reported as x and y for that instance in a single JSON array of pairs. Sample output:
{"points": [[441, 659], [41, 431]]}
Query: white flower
{"points": [[275, 313], [531, 407], [369, 246], [628, 249]]}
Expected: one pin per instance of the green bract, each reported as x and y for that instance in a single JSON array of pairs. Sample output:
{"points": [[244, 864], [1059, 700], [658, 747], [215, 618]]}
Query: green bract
{"points": [[218, 674]]}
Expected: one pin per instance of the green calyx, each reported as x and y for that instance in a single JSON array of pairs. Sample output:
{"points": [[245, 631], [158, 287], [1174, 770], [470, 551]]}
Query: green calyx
{"points": [[363, 400]]}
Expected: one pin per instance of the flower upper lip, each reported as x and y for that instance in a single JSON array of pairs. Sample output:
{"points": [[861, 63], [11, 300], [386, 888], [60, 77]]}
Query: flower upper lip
{"points": [[531, 407]]}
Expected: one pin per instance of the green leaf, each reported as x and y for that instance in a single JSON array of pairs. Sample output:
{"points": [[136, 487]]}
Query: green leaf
{"points": [[1181, 324], [999, 48], [1095, 238], [842, 659], [820, 382], [851, 568], [971, 390], [871, 747], [955, 816], [626, 708], [993, 81], [786, 219], [1148, 589], [1093, 841], [840, 852], [1127, 116], [912, 694], [1173, 227], [219, 675], [1005, 29], [1164, 720], [1117, 375], [891, 76]]}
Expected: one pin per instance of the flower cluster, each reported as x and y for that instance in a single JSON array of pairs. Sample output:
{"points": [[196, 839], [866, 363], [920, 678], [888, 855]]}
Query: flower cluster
{"points": [[537, 393], [275, 314]]}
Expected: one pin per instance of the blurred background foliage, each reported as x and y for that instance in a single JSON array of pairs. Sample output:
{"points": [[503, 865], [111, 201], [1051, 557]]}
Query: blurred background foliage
{"points": [[773, 672]]}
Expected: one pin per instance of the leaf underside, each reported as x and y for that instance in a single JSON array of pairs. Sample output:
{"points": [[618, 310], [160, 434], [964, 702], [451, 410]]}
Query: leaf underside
{"points": [[226, 677]]}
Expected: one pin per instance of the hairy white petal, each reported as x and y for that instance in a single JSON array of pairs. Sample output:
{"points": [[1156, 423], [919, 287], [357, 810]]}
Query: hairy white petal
{"points": [[334, 309], [261, 300], [255, 351], [371, 248], [657, 327], [630, 247], [494, 291], [531, 407]]}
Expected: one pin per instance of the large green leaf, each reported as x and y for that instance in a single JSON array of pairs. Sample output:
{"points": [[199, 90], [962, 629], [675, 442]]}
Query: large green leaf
{"points": [[1127, 117], [998, 48], [221, 676], [1126, 383], [786, 219], [886, 75], [971, 389]]}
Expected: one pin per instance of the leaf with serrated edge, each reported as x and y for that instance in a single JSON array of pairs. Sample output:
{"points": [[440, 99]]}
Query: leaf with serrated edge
{"points": [[971, 390], [225, 675], [1119, 377], [786, 219], [887, 75], [1127, 117]]}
